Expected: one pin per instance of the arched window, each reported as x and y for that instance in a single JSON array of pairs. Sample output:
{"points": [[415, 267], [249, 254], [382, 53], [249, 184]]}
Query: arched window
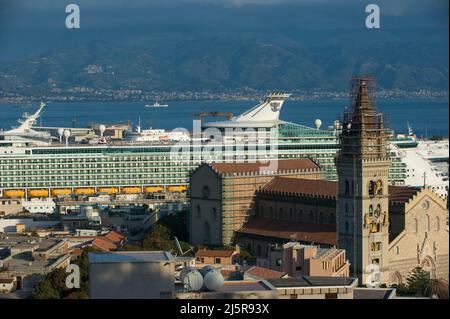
{"points": [[214, 213], [261, 210], [415, 226], [206, 232], [346, 207], [258, 250], [321, 217], [371, 188], [291, 213], [311, 215], [332, 218], [378, 211], [199, 212], [346, 227], [379, 187], [347, 188], [300, 215], [271, 211], [280, 215], [438, 226], [427, 222]]}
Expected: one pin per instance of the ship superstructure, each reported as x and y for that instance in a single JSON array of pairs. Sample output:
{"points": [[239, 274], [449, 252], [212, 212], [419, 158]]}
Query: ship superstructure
{"points": [[150, 165]]}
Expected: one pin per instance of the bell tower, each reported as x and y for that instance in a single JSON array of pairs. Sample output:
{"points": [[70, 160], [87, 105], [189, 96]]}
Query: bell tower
{"points": [[363, 167]]}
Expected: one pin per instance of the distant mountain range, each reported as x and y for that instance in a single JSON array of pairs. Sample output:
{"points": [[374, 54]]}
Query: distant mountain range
{"points": [[217, 62]]}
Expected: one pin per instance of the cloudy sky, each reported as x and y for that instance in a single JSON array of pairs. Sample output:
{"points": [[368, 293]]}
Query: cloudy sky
{"points": [[30, 26]]}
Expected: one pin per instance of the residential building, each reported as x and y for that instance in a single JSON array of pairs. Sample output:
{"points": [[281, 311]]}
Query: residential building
{"points": [[297, 259], [132, 275], [217, 257]]}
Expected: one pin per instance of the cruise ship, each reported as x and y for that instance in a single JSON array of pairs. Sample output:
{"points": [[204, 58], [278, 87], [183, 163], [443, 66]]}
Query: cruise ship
{"points": [[38, 165]]}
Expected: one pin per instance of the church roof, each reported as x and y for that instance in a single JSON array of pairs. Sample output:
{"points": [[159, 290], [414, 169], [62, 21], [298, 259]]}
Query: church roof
{"points": [[288, 229], [299, 186], [401, 194], [327, 189], [282, 165]]}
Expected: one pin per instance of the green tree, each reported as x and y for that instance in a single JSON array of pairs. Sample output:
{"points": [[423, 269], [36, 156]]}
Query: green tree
{"points": [[418, 282], [45, 290], [77, 295], [159, 238]]}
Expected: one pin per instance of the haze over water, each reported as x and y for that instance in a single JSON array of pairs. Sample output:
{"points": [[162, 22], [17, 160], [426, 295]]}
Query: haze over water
{"points": [[427, 117]]}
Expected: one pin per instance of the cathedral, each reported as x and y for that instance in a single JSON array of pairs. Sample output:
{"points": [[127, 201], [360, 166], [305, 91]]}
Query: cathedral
{"points": [[386, 230], [374, 240]]}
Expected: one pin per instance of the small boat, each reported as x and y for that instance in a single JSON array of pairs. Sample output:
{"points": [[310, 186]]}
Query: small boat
{"points": [[156, 104]]}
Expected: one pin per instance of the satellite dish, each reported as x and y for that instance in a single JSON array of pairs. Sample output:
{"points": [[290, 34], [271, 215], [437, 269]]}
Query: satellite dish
{"points": [[317, 123], [213, 280]]}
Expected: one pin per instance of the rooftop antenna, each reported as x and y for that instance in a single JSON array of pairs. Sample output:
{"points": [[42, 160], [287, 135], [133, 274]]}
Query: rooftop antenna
{"points": [[179, 250]]}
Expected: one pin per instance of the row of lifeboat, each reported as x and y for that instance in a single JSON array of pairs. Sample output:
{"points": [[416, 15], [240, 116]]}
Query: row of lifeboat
{"points": [[92, 191]]}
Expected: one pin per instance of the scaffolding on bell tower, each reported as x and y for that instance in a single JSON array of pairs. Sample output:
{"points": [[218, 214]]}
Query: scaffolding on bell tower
{"points": [[364, 134]]}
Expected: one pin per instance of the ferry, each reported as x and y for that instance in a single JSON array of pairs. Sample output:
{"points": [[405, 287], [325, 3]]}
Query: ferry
{"points": [[40, 165], [156, 105]]}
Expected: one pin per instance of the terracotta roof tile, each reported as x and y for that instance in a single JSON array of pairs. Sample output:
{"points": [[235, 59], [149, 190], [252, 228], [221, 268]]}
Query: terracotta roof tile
{"points": [[291, 164], [114, 236], [298, 186], [103, 244], [288, 229], [6, 280], [214, 253], [265, 273]]}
